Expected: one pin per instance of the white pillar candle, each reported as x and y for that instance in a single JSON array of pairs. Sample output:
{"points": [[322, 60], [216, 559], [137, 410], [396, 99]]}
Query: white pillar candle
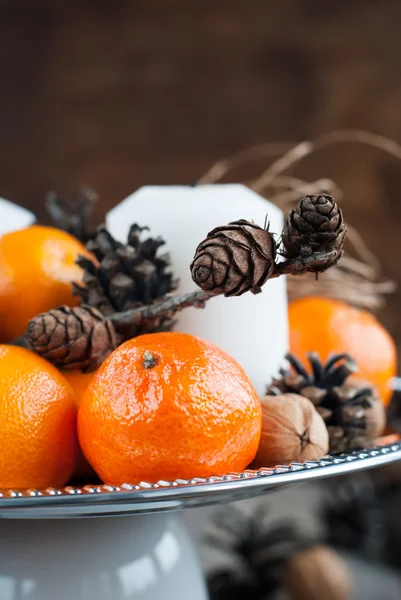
{"points": [[13, 217], [252, 328]]}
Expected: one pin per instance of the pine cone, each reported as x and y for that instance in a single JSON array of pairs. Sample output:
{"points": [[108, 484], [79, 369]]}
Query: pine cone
{"points": [[73, 214], [261, 548], [354, 516], [72, 338], [126, 276], [234, 259], [351, 409], [315, 226]]}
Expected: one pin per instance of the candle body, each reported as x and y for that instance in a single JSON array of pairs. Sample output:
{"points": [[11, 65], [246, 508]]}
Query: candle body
{"points": [[252, 328], [13, 217]]}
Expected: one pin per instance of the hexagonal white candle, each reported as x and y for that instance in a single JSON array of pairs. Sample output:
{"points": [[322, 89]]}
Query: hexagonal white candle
{"points": [[13, 217], [252, 328]]}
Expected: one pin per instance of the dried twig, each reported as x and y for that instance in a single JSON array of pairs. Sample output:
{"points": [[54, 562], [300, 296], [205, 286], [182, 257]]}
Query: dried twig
{"points": [[226, 165], [164, 308], [197, 299], [304, 149], [357, 278]]}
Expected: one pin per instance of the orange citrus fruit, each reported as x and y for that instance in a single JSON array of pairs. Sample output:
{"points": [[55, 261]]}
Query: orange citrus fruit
{"points": [[37, 266], [38, 438], [328, 326], [167, 406], [79, 382]]}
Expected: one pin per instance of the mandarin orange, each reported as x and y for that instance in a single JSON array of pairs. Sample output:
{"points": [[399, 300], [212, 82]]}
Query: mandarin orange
{"points": [[328, 326], [37, 266], [38, 438], [79, 382], [167, 406]]}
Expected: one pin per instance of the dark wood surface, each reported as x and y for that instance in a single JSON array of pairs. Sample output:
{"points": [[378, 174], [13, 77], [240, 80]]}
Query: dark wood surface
{"points": [[125, 93]]}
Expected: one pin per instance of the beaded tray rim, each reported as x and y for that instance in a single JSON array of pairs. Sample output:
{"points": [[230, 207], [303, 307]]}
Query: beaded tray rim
{"points": [[105, 500]]}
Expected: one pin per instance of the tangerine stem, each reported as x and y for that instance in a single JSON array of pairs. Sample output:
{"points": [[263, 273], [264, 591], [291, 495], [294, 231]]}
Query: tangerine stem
{"points": [[149, 361]]}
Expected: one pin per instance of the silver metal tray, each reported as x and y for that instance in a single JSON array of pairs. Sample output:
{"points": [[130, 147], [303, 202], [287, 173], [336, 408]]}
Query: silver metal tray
{"points": [[105, 500]]}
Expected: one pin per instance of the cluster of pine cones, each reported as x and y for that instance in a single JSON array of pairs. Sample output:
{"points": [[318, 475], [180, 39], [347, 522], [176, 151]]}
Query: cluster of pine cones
{"points": [[350, 407], [241, 256]]}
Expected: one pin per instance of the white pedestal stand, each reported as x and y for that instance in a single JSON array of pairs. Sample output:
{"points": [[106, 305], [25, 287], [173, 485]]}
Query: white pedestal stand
{"points": [[143, 557]]}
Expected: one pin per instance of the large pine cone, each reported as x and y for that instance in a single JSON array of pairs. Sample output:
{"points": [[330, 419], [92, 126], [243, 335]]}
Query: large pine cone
{"points": [[315, 226], [72, 338], [234, 259], [351, 408], [126, 276]]}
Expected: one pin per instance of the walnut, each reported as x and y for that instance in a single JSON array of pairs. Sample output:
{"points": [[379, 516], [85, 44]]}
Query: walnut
{"points": [[318, 573], [292, 431]]}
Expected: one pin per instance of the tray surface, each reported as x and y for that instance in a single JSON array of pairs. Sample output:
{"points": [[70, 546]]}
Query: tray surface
{"points": [[105, 500]]}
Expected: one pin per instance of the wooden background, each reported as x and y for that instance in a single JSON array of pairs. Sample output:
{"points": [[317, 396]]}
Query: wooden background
{"points": [[117, 94]]}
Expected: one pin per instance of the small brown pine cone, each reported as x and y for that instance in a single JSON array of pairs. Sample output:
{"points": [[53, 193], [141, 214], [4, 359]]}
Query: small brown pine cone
{"points": [[72, 338], [315, 226], [234, 259]]}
